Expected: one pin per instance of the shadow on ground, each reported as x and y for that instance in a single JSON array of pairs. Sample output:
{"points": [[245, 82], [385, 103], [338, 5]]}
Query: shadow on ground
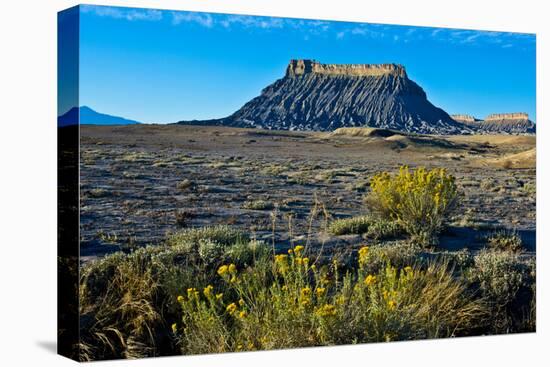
{"points": [[48, 345]]}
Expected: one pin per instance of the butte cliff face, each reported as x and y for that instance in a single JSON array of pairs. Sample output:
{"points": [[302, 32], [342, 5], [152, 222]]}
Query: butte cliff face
{"points": [[315, 96], [500, 123]]}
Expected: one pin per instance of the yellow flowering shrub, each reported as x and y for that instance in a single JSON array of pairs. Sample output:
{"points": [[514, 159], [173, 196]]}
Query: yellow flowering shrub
{"points": [[419, 200], [370, 280], [223, 270], [231, 308], [312, 304]]}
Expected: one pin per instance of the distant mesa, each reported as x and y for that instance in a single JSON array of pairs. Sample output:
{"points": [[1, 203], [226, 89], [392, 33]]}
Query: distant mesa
{"points": [[465, 119], [325, 97], [86, 116], [507, 116], [499, 123]]}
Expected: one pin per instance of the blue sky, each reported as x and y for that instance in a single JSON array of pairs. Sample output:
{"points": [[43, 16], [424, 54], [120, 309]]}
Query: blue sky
{"points": [[165, 66]]}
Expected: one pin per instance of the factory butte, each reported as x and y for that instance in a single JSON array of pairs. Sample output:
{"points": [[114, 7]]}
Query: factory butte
{"points": [[312, 96]]}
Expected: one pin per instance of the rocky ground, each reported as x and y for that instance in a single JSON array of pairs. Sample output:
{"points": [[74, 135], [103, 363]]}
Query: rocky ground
{"points": [[140, 182]]}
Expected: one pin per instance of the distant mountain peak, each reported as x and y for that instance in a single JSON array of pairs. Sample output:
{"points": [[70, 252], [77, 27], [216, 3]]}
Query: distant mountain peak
{"points": [[87, 116], [86, 108]]}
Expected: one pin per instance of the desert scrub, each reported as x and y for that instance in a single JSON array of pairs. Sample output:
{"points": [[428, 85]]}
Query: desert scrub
{"points": [[222, 234], [287, 301], [128, 301], [354, 225], [258, 205], [506, 283], [418, 200], [505, 241]]}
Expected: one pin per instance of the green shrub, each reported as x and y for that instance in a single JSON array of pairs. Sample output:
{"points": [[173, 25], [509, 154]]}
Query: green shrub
{"points": [[354, 225], [505, 241], [418, 200]]}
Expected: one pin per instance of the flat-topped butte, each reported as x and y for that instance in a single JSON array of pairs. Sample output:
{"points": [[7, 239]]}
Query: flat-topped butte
{"points": [[301, 67], [507, 116], [464, 118]]}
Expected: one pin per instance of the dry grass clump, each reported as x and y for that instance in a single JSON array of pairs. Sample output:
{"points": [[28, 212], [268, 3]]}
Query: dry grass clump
{"points": [[418, 200], [185, 184], [258, 205], [117, 308]]}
